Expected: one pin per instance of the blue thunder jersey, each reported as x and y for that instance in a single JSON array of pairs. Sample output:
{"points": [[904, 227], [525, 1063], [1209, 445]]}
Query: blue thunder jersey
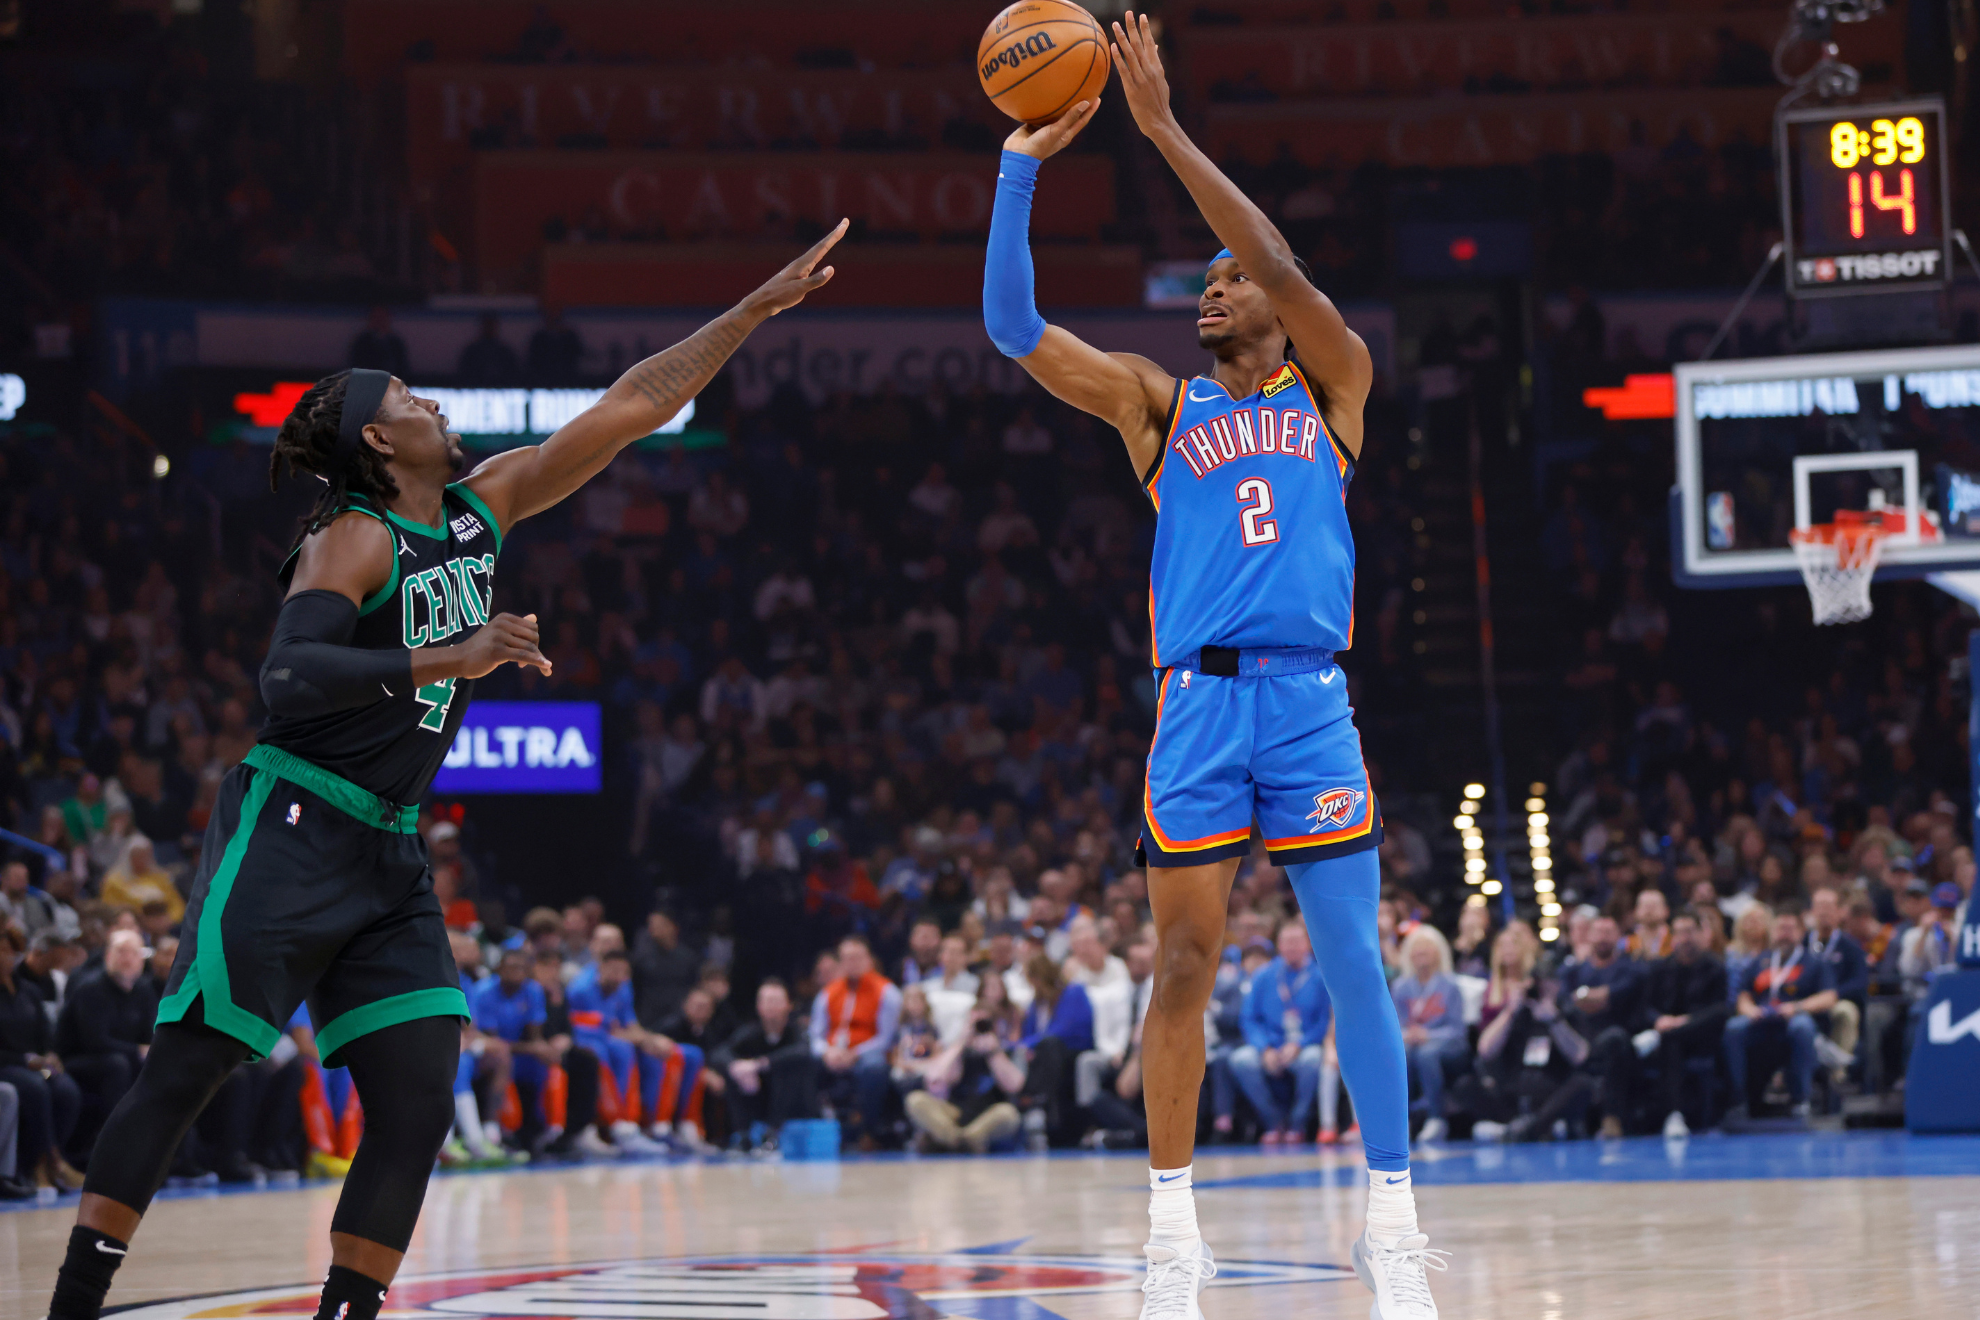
{"points": [[1252, 547]]}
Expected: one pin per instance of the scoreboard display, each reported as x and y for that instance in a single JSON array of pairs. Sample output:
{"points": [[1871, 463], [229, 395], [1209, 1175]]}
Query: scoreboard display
{"points": [[1864, 198]]}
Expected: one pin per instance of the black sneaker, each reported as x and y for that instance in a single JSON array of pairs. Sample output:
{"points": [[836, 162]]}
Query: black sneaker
{"points": [[13, 1189]]}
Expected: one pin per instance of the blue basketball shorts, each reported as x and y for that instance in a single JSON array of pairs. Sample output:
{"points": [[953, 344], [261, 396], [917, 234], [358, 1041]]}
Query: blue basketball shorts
{"points": [[1268, 745]]}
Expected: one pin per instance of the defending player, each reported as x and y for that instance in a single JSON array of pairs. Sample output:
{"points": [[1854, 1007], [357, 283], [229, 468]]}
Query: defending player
{"points": [[313, 879], [1251, 594]]}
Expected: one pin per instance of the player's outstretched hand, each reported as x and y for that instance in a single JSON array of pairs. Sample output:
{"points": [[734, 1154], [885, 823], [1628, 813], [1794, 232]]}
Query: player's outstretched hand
{"points": [[506, 639], [1140, 63], [788, 286], [1050, 139]]}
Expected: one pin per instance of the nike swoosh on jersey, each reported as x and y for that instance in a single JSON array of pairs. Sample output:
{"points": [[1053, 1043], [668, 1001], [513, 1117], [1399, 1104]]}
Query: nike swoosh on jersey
{"points": [[1203, 398], [388, 691], [1325, 678]]}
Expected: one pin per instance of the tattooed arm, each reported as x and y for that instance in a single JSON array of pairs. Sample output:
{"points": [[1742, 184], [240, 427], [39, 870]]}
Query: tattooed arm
{"points": [[529, 480]]}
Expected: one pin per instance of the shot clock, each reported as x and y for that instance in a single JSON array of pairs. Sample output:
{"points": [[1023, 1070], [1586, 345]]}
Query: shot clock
{"points": [[1864, 198]]}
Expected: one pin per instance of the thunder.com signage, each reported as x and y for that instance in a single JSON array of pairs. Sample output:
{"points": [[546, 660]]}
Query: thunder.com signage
{"points": [[525, 747]]}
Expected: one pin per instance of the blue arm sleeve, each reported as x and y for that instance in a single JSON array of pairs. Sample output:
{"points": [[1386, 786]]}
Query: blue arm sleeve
{"points": [[1010, 313]]}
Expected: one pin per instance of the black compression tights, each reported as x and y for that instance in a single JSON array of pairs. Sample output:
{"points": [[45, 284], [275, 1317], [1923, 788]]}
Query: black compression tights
{"points": [[404, 1076]]}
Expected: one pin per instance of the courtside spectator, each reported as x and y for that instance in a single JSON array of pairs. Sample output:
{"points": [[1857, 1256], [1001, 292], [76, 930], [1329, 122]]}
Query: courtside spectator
{"points": [[1775, 1017], [1528, 1076], [952, 991], [853, 1021], [1226, 1026], [1285, 1019], [1851, 967], [1057, 1028], [1931, 946], [967, 1089], [771, 1070], [49, 1098], [1431, 1007], [104, 1031], [1599, 995], [1684, 1008]]}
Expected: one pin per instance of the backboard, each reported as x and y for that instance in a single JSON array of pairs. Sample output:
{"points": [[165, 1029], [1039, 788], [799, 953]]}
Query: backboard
{"points": [[1771, 444]]}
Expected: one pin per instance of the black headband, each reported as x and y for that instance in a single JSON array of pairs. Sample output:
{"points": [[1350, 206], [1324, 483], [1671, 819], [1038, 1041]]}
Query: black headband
{"points": [[363, 392]]}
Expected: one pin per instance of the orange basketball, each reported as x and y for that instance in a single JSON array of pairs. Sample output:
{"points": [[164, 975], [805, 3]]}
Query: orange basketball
{"points": [[1039, 58]]}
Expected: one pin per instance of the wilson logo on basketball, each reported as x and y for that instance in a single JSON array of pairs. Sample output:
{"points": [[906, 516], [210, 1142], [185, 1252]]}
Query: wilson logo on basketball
{"points": [[1011, 56], [1336, 807]]}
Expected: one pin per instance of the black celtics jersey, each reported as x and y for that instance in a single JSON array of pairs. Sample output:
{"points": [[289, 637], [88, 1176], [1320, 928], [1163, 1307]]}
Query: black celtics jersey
{"points": [[442, 583]]}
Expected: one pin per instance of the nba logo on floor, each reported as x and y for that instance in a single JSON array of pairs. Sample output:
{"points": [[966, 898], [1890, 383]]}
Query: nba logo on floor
{"points": [[1336, 807]]}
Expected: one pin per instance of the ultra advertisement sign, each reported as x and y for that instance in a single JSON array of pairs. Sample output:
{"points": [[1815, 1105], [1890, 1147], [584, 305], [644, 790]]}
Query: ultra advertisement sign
{"points": [[525, 747]]}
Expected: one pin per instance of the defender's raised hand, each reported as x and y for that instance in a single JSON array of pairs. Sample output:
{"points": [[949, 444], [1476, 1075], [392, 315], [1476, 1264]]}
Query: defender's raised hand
{"points": [[1142, 78], [787, 288], [1049, 139]]}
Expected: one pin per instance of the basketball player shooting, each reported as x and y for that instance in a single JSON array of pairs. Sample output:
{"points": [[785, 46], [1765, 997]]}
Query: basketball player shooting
{"points": [[313, 881], [1251, 595]]}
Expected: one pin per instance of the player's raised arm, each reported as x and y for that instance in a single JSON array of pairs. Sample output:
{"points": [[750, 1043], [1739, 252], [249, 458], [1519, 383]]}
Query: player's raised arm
{"points": [[1124, 389], [1329, 350], [529, 480]]}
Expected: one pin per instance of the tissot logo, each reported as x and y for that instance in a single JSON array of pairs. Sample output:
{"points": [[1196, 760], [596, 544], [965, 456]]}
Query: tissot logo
{"points": [[848, 1286], [1869, 266]]}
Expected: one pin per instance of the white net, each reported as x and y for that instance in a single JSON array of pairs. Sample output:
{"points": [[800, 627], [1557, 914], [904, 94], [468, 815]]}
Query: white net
{"points": [[1838, 563]]}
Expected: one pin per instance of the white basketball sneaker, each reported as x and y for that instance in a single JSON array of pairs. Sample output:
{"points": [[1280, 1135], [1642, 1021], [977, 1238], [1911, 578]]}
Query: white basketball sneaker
{"points": [[1396, 1275], [1173, 1282]]}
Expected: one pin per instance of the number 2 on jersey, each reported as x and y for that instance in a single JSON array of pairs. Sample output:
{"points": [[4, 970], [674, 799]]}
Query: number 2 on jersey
{"points": [[1255, 500], [436, 697]]}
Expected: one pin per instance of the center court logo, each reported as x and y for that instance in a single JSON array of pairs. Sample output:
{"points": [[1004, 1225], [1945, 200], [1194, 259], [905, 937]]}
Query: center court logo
{"points": [[858, 1285], [1335, 807]]}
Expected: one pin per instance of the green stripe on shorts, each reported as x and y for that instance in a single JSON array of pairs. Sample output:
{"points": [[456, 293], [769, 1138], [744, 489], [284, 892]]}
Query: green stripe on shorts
{"points": [[437, 1001], [208, 974]]}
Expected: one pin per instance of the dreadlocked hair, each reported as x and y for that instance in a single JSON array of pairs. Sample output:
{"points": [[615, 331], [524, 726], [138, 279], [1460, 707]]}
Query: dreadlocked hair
{"points": [[307, 442]]}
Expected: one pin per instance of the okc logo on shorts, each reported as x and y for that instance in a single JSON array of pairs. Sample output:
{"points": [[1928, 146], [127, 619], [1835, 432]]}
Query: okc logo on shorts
{"points": [[1336, 807]]}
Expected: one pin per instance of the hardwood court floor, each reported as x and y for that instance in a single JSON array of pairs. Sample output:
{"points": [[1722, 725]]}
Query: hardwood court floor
{"points": [[1753, 1228]]}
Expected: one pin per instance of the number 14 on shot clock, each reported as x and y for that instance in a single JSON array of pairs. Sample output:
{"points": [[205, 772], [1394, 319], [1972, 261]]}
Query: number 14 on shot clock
{"points": [[1864, 198]]}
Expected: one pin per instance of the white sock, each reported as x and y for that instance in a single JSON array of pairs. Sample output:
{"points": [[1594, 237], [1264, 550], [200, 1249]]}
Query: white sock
{"points": [[1172, 1209], [467, 1121], [1391, 1206]]}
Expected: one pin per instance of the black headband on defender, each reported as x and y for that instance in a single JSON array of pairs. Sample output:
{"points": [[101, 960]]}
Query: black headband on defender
{"points": [[362, 394]]}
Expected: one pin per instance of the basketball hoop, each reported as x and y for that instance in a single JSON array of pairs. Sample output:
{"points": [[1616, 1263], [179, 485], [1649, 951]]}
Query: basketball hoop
{"points": [[1838, 561]]}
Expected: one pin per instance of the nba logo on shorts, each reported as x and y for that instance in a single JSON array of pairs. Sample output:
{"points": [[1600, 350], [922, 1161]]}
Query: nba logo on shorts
{"points": [[1336, 807], [295, 812]]}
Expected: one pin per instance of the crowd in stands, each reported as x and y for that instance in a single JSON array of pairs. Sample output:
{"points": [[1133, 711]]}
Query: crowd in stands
{"points": [[877, 673]]}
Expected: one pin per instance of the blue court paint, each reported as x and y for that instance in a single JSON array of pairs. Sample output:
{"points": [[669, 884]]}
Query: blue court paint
{"points": [[1704, 1158], [996, 1248], [991, 1308], [1650, 1159]]}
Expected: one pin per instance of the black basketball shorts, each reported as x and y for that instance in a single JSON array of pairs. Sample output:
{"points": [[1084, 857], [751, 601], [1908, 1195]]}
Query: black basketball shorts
{"points": [[310, 887]]}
